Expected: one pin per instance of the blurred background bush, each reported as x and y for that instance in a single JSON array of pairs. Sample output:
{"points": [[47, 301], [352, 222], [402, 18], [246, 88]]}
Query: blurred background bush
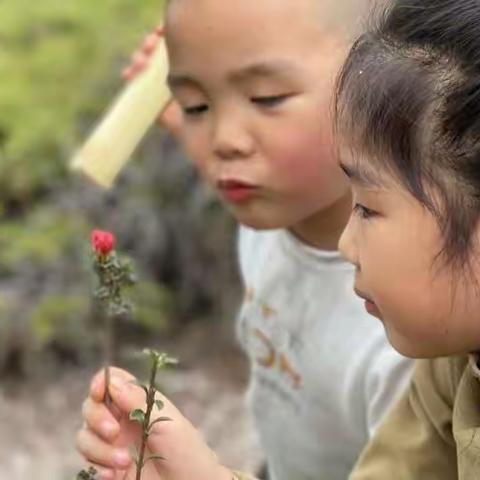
{"points": [[59, 69], [60, 62]]}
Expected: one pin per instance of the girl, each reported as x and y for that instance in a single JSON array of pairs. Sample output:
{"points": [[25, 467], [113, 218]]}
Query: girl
{"points": [[408, 105]]}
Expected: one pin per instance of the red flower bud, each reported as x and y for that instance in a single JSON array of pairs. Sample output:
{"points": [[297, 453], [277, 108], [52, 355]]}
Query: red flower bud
{"points": [[102, 242]]}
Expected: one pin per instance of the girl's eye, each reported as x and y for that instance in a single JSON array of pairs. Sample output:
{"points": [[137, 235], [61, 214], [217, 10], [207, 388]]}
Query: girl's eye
{"points": [[270, 101], [364, 212], [195, 110]]}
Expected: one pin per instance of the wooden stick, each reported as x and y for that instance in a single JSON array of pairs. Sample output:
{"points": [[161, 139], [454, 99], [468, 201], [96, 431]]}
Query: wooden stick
{"points": [[113, 141]]}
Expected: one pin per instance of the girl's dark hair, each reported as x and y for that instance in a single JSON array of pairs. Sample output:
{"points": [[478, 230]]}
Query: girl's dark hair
{"points": [[408, 97]]}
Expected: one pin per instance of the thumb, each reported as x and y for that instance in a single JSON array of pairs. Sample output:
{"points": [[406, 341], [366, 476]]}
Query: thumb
{"points": [[126, 395]]}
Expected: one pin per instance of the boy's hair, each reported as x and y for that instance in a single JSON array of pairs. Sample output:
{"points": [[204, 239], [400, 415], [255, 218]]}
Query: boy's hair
{"points": [[337, 16], [408, 98]]}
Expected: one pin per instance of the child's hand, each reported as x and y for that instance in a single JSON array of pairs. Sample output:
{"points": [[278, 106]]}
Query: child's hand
{"points": [[171, 116], [107, 434]]}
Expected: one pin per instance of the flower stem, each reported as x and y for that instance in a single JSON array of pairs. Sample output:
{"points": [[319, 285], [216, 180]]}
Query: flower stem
{"points": [[108, 355], [146, 423]]}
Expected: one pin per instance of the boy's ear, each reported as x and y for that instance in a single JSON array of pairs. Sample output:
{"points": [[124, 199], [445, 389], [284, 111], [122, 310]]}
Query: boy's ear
{"points": [[112, 142], [171, 119]]}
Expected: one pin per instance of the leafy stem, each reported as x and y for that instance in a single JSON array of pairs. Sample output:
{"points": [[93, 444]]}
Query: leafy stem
{"points": [[158, 361]]}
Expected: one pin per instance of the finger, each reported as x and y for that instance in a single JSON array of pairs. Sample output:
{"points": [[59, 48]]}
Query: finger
{"points": [[97, 451], [150, 43], [127, 73], [126, 395], [100, 419], [139, 61], [97, 385]]}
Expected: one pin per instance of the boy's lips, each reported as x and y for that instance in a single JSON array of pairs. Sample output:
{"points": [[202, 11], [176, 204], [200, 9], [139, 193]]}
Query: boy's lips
{"points": [[236, 191], [370, 305]]}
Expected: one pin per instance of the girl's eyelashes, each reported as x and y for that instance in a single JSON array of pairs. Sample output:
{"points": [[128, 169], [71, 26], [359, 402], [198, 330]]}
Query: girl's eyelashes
{"points": [[364, 212], [195, 110], [270, 100]]}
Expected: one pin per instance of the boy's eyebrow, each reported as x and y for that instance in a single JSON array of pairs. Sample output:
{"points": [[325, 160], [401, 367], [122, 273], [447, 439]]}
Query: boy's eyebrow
{"points": [[260, 69], [180, 80], [263, 69], [358, 175]]}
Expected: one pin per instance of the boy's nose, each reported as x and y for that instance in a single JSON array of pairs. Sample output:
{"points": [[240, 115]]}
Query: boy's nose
{"points": [[231, 141]]}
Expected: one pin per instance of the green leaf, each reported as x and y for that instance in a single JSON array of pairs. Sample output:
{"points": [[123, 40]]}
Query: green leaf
{"points": [[154, 355], [165, 360], [137, 415], [159, 404]]}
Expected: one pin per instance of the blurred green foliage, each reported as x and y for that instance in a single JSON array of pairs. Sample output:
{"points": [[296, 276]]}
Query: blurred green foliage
{"points": [[153, 305], [59, 318], [59, 66], [40, 239]]}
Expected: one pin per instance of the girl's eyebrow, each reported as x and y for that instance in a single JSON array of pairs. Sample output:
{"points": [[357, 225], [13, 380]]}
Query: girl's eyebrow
{"points": [[358, 175]]}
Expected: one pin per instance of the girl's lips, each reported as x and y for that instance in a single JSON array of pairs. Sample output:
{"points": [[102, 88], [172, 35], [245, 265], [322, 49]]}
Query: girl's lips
{"points": [[236, 191], [370, 305], [372, 309]]}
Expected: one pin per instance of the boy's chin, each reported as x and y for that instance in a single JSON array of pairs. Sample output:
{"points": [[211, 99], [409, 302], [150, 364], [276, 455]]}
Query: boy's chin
{"points": [[257, 221]]}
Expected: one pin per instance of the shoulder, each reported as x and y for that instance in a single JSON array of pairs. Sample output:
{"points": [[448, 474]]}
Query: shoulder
{"points": [[436, 380]]}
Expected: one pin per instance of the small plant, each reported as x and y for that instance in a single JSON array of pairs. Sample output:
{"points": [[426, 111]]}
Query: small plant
{"points": [[114, 274], [158, 361], [90, 474]]}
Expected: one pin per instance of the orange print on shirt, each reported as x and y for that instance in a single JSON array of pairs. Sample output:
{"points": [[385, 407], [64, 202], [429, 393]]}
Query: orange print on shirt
{"points": [[288, 370], [267, 312], [269, 360]]}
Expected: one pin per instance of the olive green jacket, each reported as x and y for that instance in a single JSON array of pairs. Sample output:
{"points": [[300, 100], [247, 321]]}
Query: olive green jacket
{"points": [[433, 433]]}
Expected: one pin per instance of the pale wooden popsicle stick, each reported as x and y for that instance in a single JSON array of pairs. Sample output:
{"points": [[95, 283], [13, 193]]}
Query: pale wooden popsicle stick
{"points": [[112, 142]]}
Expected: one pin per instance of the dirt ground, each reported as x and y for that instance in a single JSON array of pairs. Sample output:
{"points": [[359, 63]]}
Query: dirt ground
{"points": [[38, 419]]}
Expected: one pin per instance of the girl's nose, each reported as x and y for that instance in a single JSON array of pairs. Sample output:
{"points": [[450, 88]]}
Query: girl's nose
{"points": [[231, 140], [347, 246]]}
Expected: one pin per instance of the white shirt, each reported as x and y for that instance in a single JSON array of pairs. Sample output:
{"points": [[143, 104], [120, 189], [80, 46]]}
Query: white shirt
{"points": [[322, 371]]}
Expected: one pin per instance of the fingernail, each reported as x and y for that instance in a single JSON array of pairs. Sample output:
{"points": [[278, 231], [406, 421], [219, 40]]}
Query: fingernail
{"points": [[117, 384], [150, 42], [95, 386], [122, 458]]}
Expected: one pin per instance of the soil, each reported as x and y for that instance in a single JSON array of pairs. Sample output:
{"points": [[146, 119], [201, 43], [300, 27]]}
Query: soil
{"points": [[39, 417]]}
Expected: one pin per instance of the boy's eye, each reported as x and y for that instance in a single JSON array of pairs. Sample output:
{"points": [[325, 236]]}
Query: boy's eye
{"points": [[195, 110], [270, 100], [364, 212]]}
